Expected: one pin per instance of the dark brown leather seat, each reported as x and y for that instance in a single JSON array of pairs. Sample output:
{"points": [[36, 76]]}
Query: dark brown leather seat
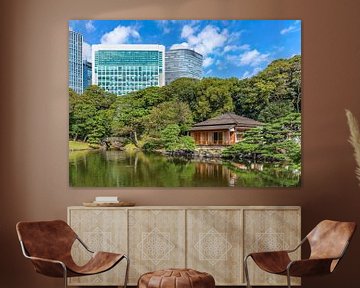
{"points": [[48, 245], [176, 278], [328, 242]]}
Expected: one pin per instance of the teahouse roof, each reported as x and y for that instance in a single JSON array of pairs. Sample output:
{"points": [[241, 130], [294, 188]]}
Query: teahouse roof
{"points": [[225, 121]]}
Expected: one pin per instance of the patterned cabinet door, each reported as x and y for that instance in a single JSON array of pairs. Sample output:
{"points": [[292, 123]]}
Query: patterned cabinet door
{"points": [[214, 244], [156, 240], [101, 230], [269, 230]]}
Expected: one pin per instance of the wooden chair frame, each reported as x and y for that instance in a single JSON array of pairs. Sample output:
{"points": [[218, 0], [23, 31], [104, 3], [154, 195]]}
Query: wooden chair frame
{"points": [[316, 263], [65, 269]]}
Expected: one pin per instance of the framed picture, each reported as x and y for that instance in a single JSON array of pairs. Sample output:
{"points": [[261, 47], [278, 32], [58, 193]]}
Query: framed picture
{"points": [[184, 103]]}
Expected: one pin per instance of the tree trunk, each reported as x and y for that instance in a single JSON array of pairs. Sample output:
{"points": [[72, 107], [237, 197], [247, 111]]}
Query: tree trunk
{"points": [[135, 139]]}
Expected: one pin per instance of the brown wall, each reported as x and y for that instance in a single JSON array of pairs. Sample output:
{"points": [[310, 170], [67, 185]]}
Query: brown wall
{"points": [[33, 117]]}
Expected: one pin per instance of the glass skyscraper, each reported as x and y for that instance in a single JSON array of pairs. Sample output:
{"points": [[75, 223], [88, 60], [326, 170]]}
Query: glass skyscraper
{"points": [[87, 67], [75, 62], [124, 68], [182, 63]]}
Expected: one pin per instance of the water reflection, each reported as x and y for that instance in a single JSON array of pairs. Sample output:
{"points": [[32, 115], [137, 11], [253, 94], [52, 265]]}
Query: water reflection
{"points": [[138, 169]]}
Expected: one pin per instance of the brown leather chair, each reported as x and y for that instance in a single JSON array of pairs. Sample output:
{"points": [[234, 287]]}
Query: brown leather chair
{"points": [[48, 245], [328, 242]]}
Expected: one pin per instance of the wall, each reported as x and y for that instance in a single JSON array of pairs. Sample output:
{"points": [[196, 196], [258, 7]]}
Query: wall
{"points": [[33, 118]]}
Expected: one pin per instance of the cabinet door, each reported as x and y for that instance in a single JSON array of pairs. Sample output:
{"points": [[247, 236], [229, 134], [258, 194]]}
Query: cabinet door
{"points": [[214, 244], [156, 240], [270, 230], [101, 230]]}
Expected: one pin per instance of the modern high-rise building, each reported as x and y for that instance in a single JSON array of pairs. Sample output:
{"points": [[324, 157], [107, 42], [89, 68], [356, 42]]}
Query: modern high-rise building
{"points": [[182, 63], [124, 68], [75, 62], [87, 71]]}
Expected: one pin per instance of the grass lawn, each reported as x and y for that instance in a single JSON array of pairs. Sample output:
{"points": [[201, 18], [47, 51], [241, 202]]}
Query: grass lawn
{"points": [[77, 145]]}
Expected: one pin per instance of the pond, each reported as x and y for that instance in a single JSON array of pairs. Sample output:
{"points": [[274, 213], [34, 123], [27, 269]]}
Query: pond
{"points": [[139, 169]]}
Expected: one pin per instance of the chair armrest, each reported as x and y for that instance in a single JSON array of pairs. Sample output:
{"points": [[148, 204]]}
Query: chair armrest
{"points": [[298, 246], [46, 260], [268, 253], [48, 267], [309, 267]]}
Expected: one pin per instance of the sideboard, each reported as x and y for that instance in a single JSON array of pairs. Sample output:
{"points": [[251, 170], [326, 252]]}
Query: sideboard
{"points": [[212, 239]]}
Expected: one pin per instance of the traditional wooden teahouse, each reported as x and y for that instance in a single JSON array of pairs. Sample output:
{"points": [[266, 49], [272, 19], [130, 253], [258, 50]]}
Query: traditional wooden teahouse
{"points": [[225, 129]]}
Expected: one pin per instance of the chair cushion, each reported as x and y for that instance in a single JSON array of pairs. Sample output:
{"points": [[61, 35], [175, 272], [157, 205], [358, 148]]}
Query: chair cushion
{"points": [[176, 278]]}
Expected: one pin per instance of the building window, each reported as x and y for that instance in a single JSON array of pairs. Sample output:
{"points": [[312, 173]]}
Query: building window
{"points": [[218, 137]]}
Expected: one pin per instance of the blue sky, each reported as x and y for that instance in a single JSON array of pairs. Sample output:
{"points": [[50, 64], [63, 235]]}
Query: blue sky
{"points": [[231, 48]]}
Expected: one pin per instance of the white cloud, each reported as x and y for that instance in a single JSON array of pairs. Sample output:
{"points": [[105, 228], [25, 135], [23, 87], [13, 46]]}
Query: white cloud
{"points": [[230, 48], [248, 74], [208, 72], [292, 28], [244, 47], [183, 45], [164, 25], [251, 58], [89, 26], [205, 42], [208, 61], [235, 36], [186, 31], [86, 49], [120, 35]]}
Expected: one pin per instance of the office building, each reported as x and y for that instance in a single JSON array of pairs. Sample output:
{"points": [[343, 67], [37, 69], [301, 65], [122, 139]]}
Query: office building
{"points": [[75, 62], [125, 68], [87, 71], [182, 63]]}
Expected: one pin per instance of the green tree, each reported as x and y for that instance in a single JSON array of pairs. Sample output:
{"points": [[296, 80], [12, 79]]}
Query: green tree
{"points": [[170, 137], [182, 89], [166, 113], [275, 110], [130, 112], [213, 98], [90, 114], [100, 126], [172, 141], [187, 143], [278, 141], [128, 118], [277, 86]]}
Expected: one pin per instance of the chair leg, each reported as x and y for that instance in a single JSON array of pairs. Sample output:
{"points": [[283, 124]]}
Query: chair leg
{"points": [[246, 270], [127, 271], [288, 278], [65, 276]]}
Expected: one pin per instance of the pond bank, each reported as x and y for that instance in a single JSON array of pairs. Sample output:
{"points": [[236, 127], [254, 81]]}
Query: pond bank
{"points": [[82, 146], [199, 152]]}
